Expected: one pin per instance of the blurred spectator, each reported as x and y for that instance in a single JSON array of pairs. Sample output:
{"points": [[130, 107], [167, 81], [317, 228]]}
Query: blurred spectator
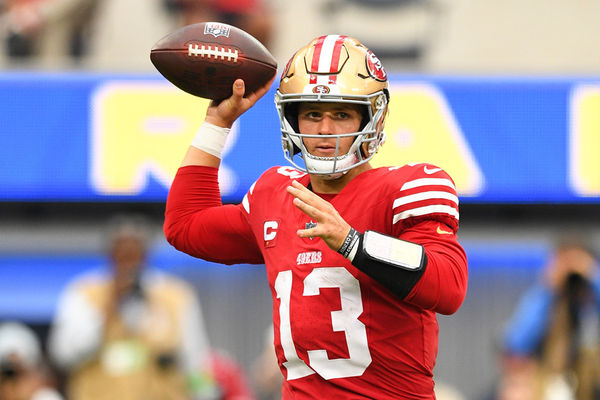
{"points": [[265, 370], [445, 391], [45, 29], [252, 16], [551, 347], [23, 372], [131, 332], [230, 377]]}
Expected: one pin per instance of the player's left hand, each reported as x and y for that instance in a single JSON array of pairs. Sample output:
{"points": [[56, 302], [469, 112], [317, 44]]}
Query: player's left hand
{"points": [[330, 226]]}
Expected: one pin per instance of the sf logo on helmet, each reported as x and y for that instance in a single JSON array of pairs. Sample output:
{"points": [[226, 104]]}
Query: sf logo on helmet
{"points": [[375, 68], [321, 89]]}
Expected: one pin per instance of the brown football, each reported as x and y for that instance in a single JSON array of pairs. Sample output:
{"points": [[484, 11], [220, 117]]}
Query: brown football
{"points": [[204, 59]]}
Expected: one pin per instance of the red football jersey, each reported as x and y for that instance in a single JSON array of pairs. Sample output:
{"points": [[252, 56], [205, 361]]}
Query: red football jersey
{"points": [[339, 333]]}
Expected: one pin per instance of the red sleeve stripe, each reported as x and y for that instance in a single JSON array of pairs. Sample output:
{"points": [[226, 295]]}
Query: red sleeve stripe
{"points": [[415, 212], [428, 182], [432, 195]]}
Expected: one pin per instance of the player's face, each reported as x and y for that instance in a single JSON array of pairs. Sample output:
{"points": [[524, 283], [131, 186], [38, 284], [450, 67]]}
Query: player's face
{"points": [[326, 119]]}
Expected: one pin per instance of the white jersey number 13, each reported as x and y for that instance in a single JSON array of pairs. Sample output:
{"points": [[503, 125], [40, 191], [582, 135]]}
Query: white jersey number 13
{"points": [[345, 320]]}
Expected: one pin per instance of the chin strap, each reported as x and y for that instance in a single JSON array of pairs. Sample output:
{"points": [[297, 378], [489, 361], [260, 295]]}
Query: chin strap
{"points": [[334, 166]]}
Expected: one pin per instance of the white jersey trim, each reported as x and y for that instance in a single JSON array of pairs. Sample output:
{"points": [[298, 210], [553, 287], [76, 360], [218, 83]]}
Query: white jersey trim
{"points": [[425, 196], [245, 201], [428, 182], [415, 212]]}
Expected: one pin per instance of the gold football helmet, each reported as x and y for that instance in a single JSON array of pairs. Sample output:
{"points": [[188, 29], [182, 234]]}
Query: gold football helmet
{"points": [[337, 69]]}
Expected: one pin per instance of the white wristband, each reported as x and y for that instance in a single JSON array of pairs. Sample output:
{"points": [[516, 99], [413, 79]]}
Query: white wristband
{"points": [[210, 138], [353, 251]]}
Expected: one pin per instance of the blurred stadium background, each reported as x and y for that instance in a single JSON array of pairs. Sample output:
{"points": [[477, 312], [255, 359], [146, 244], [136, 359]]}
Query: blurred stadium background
{"points": [[504, 95]]}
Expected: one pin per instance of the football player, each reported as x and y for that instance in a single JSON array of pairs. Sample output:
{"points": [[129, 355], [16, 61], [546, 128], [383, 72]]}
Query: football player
{"points": [[359, 259]]}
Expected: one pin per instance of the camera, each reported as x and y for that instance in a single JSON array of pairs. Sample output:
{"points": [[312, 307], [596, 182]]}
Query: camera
{"points": [[9, 369], [575, 285]]}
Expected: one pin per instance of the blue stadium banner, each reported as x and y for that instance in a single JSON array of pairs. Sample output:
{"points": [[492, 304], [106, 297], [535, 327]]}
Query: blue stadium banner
{"points": [[92, 137]]}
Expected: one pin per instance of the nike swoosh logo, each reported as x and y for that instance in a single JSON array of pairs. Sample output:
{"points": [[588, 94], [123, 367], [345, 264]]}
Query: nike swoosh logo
{"points": [[442, 232], [431, 171]]}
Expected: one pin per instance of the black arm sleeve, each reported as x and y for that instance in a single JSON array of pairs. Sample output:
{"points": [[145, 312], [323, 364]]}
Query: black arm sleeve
{"points": [[398, 280]]}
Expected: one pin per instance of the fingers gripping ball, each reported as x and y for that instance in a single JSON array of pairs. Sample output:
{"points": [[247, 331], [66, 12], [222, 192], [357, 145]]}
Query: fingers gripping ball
{"points": [[204, 59]]}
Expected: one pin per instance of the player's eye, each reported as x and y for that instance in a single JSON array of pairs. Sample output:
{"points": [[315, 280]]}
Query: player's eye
{"points": [[312, 115]]}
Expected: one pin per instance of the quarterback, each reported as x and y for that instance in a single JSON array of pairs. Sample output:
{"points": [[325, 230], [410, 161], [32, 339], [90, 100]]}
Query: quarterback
{"points": [[359, 259]]}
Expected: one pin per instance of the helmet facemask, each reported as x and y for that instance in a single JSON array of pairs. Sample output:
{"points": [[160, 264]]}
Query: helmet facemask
{"points": [[364, 146], [357, 78]]}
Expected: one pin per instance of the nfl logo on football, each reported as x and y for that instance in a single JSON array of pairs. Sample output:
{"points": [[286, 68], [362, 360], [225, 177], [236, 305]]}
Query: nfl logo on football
{"points": [[216, 30]]}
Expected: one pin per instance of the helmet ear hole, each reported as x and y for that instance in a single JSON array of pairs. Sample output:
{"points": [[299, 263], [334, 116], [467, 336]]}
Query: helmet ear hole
{"points": [[365, 117], [291, 115]]}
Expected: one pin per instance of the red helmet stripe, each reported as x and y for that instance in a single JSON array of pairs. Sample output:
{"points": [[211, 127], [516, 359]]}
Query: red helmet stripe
{"points": [[335, 58], [316, 57]]}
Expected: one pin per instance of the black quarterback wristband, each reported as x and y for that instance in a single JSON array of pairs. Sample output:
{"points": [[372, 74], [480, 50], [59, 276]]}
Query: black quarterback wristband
{"points": [[350, 242]]}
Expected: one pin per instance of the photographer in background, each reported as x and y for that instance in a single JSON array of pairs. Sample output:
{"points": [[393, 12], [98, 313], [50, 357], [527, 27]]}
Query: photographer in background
{"points": [[130, 332], [23, 373], [552, 342]]}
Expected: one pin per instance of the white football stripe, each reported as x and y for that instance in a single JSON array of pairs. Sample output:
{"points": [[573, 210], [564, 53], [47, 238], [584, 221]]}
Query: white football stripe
{"points": [[415, 212], [426, 182], [425, 196], [327, 53]]}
